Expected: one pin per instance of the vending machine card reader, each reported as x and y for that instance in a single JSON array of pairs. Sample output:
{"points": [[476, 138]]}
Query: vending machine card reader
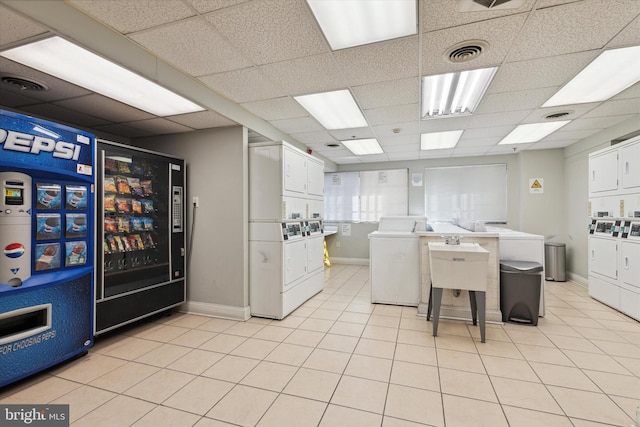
{"points": [[15, 228]]}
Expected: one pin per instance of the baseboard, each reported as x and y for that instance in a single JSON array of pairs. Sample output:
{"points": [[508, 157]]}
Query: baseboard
{"points": [[578, 279], [355, 261], [216, 310]]}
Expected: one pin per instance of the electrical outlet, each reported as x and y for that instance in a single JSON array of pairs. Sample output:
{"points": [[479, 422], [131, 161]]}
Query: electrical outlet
{"points": [[196, 201]]}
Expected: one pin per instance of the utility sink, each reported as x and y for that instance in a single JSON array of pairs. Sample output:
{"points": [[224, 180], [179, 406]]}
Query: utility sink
{"points": [[463, 266]]}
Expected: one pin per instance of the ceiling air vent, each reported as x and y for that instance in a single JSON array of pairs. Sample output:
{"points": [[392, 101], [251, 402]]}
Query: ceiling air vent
{"points": [[484, 5], [333, 145], [466, 51], [558, 115], [24, 83]]}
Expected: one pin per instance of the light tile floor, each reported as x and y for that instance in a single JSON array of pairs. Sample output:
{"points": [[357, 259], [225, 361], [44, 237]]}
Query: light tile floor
{"points": [[341, 361]]}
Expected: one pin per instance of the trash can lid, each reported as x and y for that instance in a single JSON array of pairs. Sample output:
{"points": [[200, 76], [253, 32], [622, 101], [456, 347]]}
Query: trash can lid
{"points": [[554, 244], [520, 266]]}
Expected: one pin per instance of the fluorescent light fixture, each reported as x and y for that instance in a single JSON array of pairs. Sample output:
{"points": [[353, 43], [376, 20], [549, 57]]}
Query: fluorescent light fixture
{"points": [[67, 61], [532, 132], [454, 94], [334, 110], [348, 23], [439, 140], [610, 73], [361, 147]]}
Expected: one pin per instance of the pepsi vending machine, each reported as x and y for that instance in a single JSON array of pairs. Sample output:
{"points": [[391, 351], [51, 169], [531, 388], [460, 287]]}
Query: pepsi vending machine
{"points": [[47, 239]]}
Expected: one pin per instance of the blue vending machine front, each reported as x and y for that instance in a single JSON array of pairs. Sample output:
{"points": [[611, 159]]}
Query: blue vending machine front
{"points": [[47, 241]]}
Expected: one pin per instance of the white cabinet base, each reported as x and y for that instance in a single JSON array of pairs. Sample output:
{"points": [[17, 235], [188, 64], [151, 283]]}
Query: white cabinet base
{"points": [[267, 299]]}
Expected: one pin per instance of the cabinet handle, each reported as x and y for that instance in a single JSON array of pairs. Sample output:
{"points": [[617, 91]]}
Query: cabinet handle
{"points": [[626, 167], [593, 254], [593, 175], [626, 263]]}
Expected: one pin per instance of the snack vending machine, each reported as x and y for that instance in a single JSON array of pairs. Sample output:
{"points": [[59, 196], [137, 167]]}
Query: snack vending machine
{"points": [[141, 266], [47, 239]]}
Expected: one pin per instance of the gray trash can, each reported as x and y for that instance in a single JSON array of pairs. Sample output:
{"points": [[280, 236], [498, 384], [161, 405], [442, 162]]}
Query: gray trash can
{"points": [[554, 261], [520, 283]]}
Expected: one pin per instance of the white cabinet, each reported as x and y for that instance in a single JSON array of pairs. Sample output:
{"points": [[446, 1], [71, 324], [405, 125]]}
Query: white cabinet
{"points": [[631, 166], [286, 257], [603, 172], [614, 243], [284, 183]]}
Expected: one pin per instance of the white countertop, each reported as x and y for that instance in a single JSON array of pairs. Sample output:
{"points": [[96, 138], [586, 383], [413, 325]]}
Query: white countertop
{"points": [[448, 229]]}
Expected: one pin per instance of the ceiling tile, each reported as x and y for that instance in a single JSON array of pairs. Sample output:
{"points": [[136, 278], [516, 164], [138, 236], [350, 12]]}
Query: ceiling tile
{"points": [[379, 62], [575, 110], [14, 27], [276, 108], [572, 27], [354, 133], [123, 130], [399, 157], [203, 6], [575, 135], [159, 126], [438, 14], [539, 73], [406, 128], [508, 149], [401, 148], [615, 108], [499, 33], [175, 44], [373, 158], [469, 151], [475, 143], [14, 97], [321, 137], [245, 85], [549, 145], [474, 121], [299, 125], [631, 92], [127, 16], [311, 74], [519, 100], [487, 132], [394, 114], [64, 115], [596, 122], [271, 31], [395, 140], [385, 94], [202, 120], [436, 154], [629, 36], [107, 108]]}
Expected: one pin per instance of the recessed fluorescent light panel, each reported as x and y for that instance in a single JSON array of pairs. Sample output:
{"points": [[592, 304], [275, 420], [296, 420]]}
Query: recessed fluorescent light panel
{"points": [[348, 23], [361, 147], [439, 140], [67, 61], [532, 132], [454, 94], [610, 73], [334, 110]]}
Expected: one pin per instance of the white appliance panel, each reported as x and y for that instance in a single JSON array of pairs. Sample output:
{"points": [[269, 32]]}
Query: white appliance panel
{"points": [[315, 177], [295, 261], [603, 253], [604, 291], [603, 174], [395, 269], [630, 302], [631, 166], [315, 252], [295, 171], [630, 268]]}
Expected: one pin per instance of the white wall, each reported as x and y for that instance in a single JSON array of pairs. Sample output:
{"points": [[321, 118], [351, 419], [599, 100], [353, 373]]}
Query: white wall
{"points": [[217, 172]]}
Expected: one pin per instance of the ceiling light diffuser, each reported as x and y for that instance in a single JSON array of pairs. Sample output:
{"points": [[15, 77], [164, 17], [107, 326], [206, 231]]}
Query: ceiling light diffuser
{"points": [[67, 61], [532, 132], [609, 74], [348, 23], [334, 110], [454, 94], [362, 147], [440, 140]]}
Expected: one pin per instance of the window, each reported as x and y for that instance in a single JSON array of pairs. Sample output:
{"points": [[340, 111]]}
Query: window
{"points": [[365, 196], [467, 193]]}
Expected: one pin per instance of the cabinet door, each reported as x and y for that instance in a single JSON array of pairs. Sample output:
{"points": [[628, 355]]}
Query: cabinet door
{"points": [[603, 172], [603, 257], [631, 264], [295, 171], [631, 166], [295, 261], [315, 177], [315, 253]]}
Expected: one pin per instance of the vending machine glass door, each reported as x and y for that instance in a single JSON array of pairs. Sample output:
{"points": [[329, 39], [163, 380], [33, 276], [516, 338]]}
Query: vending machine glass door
{"points": [[135, 208]]}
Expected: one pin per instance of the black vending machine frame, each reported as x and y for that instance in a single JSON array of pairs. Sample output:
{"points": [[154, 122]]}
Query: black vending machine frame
{"points": [[145, 278]]}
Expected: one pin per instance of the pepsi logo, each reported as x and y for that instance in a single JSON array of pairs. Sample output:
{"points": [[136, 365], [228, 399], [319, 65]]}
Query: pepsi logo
{"points": [[14, 250]]}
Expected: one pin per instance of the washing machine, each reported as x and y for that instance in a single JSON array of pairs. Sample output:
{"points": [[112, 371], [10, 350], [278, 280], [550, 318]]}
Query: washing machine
{"points": [[630, 269], [394, 260], [603, 261]]}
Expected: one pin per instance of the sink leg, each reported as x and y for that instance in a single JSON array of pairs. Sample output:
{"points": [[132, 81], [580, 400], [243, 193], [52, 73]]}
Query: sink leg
{"points": [[437, 300], [429, 305], [474, 307], [481, 300]]}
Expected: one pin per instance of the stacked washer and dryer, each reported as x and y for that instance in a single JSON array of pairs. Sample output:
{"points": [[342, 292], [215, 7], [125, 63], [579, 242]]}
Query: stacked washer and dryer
{"points": [[286, 240], [614, 239]]}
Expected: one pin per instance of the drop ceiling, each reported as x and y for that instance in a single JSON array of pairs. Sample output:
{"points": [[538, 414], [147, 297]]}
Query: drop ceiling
{"points": [[244, 61]]}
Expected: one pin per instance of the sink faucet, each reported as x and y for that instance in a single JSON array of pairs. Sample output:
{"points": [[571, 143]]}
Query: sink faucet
{"points": [[415, 224]]}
